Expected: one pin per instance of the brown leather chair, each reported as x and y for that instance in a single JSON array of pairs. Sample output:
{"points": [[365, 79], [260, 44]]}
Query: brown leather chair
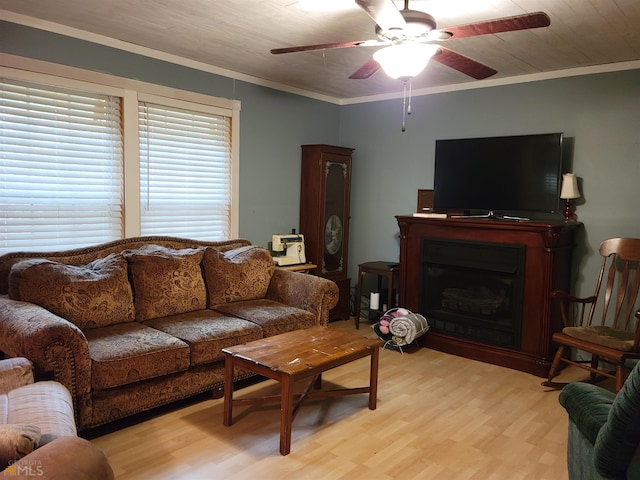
{"points": [[603, 324]]}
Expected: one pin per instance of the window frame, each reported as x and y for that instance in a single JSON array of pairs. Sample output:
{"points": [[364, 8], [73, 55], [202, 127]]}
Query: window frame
{"points": [[131, 92]]}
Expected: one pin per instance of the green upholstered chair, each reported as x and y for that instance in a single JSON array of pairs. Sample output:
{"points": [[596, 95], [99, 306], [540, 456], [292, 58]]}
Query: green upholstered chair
{"points": [[604, 430]]}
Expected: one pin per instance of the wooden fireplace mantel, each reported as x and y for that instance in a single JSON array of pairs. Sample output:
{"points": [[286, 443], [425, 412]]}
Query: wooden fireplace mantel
{"points": [[548, 256]]}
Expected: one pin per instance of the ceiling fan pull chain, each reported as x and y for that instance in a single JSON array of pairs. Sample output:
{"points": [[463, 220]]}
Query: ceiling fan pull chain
{"points": [[404, 105]]}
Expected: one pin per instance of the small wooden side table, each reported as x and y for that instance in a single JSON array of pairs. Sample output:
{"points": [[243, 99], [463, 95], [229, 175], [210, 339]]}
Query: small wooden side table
{"points": [[300, 267], [388, 270]]}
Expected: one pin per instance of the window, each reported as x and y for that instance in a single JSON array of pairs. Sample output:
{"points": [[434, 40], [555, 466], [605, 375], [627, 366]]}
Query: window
{"points": [[60, 167], [87, 158], [185, 166]]}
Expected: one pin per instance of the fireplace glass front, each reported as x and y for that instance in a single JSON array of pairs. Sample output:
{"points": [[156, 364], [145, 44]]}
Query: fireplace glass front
{"points": [[473, 290]]}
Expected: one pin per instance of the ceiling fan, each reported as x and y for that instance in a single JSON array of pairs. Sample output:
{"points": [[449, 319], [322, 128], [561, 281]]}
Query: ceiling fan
{"points": [[412, 32]]}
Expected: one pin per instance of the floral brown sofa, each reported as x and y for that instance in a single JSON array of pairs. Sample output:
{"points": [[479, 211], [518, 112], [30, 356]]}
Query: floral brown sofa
{"points": [[137, 323]]}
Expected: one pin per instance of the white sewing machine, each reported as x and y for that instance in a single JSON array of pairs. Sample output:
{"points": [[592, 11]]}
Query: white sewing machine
{"points": [[289, 249]]}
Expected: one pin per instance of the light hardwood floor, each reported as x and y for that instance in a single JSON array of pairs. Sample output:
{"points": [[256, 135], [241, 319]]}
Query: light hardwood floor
{"points": [[439, 417]]}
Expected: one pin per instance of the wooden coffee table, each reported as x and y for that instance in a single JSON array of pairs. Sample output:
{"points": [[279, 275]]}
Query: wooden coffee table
{"points": [[294, 356]]}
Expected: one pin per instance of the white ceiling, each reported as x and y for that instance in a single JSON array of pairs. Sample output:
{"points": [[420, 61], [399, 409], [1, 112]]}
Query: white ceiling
{"points": [[234, 37]]}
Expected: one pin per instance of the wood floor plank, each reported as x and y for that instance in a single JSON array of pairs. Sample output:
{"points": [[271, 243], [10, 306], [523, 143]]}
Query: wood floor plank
{"points": [[438, 416]]}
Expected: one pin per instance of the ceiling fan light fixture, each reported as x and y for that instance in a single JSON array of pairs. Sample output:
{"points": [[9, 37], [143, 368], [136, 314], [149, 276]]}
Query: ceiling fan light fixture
{"points": [[405, 60]]}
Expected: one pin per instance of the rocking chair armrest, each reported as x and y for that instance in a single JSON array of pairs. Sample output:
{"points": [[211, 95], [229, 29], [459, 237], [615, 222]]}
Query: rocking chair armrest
{"points": [[568, 301], [562, 295]]}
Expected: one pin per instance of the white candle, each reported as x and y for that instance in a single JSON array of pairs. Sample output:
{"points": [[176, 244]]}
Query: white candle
{"points": [[374, 301]]}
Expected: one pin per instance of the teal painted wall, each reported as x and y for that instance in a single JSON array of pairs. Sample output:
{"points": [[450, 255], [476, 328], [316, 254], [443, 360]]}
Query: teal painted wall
{"points": [[599, 114]]}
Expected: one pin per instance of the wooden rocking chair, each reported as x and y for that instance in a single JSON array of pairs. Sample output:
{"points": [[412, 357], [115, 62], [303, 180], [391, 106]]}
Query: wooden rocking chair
{"points": [[614, 337]]}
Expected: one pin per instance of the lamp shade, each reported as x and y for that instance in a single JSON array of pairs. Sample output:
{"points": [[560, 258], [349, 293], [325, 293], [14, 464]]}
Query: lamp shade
{"points": [[405, 60], [569, 186]]}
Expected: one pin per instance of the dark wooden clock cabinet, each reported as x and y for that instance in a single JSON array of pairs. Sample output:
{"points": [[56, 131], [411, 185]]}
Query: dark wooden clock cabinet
{"points": [[324, 216]]}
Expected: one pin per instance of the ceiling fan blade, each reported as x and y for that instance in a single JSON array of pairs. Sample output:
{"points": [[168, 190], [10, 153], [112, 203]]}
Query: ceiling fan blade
{"points": [[321, 46], [366, 70], [463, 64], [384, 13], [499, 25]]}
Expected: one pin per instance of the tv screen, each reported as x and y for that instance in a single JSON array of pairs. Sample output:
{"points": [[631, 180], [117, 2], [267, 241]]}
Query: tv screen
{"points": [[499, 174]]}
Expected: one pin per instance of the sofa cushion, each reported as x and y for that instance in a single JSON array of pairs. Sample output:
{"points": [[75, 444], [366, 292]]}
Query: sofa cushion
{"points": [[207, 333], [130, 352], [273, 317], [166, 281], [240, 274], [16, 441], [94, 295]]}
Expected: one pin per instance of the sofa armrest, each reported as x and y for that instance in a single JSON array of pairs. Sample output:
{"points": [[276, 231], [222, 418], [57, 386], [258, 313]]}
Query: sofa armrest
{"points": [[315, 294], [14, 373], [588, 407], [65, 458], [56, 347]]}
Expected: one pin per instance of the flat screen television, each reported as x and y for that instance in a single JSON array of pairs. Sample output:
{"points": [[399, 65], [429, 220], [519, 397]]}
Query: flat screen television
{"points": [[519, 173]]}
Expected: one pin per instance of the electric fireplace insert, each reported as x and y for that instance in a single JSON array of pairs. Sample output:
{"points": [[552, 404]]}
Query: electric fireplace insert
{"points": [[473, 289]]}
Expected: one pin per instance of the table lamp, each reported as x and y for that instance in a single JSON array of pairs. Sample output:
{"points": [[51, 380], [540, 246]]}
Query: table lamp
{"points": [[568, 192]]}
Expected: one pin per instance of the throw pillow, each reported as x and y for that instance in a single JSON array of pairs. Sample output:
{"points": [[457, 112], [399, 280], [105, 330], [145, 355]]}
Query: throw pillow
{"points": [[166, 281], [93, 295], [240, 274], [15, 372], [16, 441]]}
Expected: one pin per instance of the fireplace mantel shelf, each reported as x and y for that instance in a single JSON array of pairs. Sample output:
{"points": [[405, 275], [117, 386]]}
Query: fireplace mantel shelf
{"points": [[548, 247]]}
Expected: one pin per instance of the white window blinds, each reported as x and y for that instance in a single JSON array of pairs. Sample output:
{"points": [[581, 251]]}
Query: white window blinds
{"points": [[185, 172], [60, 167]]}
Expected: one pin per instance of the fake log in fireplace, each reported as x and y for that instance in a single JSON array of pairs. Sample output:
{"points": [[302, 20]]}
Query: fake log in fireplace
{"points": [[473, 289]]}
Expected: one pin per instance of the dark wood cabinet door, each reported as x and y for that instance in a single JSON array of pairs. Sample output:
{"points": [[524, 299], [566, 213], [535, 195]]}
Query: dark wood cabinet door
{"points": [[336, 218], [324, 207], [324, 213]]}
